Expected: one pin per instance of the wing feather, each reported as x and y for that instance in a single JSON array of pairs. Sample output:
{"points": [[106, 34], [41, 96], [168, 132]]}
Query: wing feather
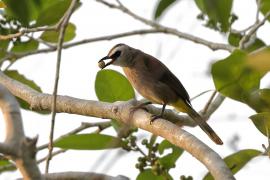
{"points": [[163, 74]]}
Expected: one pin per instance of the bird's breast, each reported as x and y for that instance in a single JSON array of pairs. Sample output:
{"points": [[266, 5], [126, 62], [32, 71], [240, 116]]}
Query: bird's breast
{"points": [[142, 81]]}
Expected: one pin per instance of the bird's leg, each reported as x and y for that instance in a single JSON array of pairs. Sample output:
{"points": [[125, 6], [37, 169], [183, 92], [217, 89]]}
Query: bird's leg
{"points": [[154, 117], [140, 106]]}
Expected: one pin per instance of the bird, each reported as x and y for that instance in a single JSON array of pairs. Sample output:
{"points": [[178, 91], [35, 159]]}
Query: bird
{"points": [[155, 82]]}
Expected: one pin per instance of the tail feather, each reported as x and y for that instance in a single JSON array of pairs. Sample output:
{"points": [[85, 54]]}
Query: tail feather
{"points": [[183, 106], [204, 126]]}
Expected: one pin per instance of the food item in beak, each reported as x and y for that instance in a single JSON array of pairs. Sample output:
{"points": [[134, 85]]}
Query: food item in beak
{"points": [[101, 64]]}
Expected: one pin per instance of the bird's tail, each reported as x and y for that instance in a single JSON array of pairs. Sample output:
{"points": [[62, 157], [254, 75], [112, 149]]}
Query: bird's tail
{"points": [[185, 107]]}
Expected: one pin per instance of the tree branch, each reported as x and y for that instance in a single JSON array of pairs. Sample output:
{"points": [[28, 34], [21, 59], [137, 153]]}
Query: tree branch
{"points": [[83, 126], [25, 31], [101, 126], [211, 45], [121, 111], [254, 28], [63, 27], [17, 146], [66, 104], [82, 175]]}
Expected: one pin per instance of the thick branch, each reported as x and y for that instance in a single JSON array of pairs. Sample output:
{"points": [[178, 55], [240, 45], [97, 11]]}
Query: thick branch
{"points": [[120, 111], [82, 175], [42, 101], [18, 147]]}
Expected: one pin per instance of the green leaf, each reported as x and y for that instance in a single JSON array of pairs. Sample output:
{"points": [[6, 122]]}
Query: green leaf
{"points": [[52, 11], [257, 44], [161, 7], [259, 60], [265, 7], [6, 165], [168, 161], [233, 78], [4, 162], [53, 36], [262, 122], [259, 100], [14, 74], [147, 175], [165, 144], [218, 12], [234, 39], [27, 46], [89, 142], [111, 86], [25, 11], [237, 161]]}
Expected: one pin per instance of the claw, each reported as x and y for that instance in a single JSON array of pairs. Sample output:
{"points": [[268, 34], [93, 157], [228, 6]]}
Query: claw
{"points": [[154, 117]]}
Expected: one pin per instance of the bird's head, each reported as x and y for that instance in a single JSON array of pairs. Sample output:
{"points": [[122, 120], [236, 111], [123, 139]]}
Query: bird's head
{"points": [[120, 55]]}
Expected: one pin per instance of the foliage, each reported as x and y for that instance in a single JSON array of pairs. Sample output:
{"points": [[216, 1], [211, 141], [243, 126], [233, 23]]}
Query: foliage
{"points": [[238, 76], [36, 12], [157, 164], [218, 13], [111, 86], [89, 142], [52, 36], [262, 122], [5, 165], [265, 7], [234, 39], [162, 6]]}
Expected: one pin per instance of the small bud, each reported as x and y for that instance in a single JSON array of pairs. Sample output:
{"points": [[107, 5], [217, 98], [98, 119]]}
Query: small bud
{"points": [[144, 142]]}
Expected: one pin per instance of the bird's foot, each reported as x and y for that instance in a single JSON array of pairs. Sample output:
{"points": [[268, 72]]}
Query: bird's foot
{"points": [[154, 117], [139, 106]]}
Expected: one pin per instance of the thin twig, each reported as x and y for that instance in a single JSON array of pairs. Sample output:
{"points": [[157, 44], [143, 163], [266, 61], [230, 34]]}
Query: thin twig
{"points": [[209, 102], [41, 41], [200, 94], [52, 155], [84, 41], [258, 10], [243, 31], [140, 150], [83, 126], [101, 126], [25, 31], [63, 26], [253, 30]]}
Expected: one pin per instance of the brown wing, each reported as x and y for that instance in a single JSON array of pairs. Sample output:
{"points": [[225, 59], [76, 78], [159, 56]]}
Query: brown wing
{"points": [[163, 74]]}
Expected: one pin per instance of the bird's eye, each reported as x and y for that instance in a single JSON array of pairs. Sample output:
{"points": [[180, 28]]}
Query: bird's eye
{"points": [[116, 54]]}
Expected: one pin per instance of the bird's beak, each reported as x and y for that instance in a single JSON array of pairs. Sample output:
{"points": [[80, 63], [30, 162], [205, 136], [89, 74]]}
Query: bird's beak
{"points": [[105, 58]]}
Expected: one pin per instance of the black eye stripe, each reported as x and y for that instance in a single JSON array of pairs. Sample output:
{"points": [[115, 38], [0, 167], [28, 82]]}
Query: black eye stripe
{"points": [[116, 54]]}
